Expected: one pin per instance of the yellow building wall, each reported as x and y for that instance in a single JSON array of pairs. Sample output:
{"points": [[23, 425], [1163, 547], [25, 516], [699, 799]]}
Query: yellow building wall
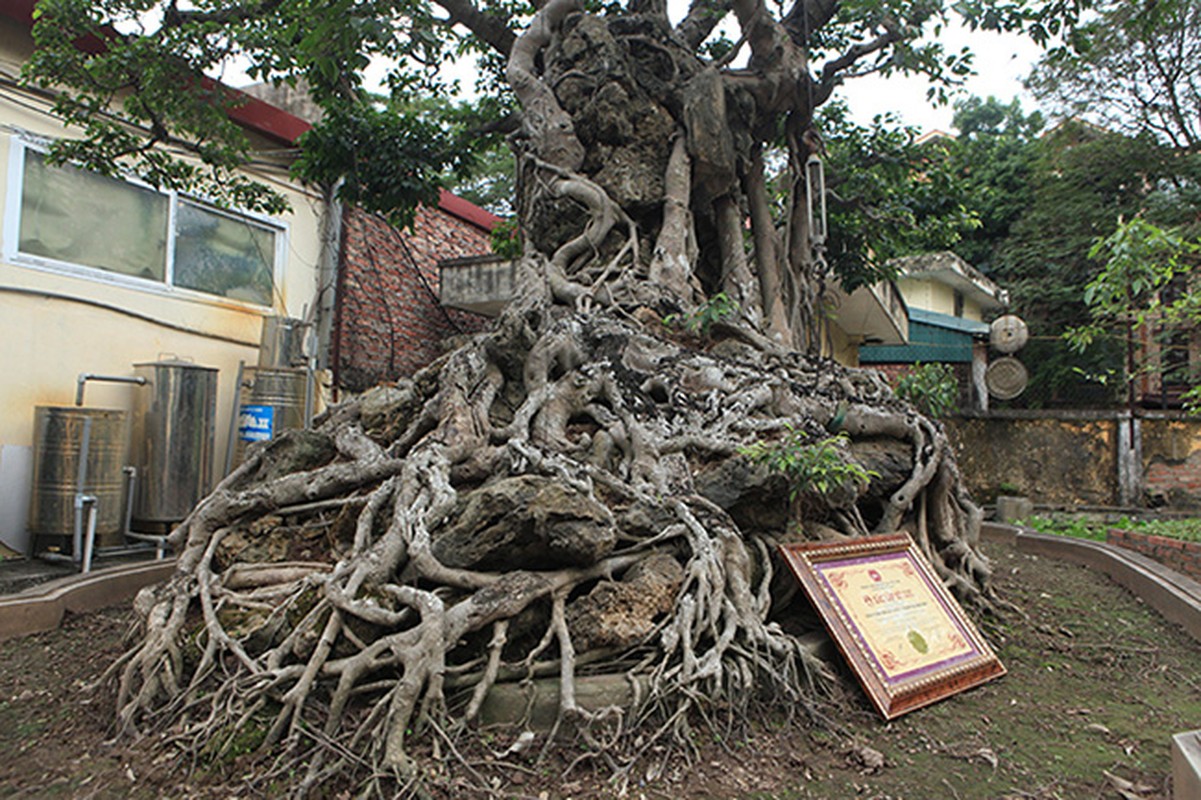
{"points": [[845, 351], [972, 310], [936, 296], [54, 326], [927, 295]]}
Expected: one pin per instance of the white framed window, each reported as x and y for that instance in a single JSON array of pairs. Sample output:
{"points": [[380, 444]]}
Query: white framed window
{"points": [[68, 220]]}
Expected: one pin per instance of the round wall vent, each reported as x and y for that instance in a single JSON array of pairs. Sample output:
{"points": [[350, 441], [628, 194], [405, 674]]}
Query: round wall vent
{"points": [[1008, 334], [1006, 378]]}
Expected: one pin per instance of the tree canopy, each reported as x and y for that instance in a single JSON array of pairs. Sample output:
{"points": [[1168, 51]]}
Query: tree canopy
{"points": [[1083, 181], [1131, 67], [388, 153]]}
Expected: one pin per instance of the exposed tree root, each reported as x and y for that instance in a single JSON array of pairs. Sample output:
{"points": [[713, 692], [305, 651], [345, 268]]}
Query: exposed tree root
{"points": [[619, 450]]}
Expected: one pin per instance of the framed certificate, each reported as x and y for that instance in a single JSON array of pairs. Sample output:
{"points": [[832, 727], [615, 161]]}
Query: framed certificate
{"points": [[901, 631]]}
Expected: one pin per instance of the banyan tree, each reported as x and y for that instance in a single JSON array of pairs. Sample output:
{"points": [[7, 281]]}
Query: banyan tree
{"points": [[583, 488]]}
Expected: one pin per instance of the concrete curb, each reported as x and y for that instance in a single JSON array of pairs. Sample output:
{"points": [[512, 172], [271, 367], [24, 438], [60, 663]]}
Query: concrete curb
{"points": [[1175, 596], [41, 608], [1186, 766]]}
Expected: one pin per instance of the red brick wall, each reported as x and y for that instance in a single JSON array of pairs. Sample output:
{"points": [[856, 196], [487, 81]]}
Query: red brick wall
{"points": [[892, 372], [1172, 553], [389, 323], [1172, 459]]}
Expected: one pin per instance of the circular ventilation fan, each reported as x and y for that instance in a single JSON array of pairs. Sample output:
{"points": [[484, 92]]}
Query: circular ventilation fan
{"points": [[1008, 333], [1006, 378]]}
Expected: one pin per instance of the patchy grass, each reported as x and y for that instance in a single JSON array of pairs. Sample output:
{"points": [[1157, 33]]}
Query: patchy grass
{"points": [[1079, 527], [1067, 525], [1187, 530]]}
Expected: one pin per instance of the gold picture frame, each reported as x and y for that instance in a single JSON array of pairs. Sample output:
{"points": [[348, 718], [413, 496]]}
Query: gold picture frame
{"points": [[905, 637]]}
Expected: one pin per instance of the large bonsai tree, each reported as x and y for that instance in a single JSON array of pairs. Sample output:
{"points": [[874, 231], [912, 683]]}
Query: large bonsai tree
{"points": [[601, 479]]}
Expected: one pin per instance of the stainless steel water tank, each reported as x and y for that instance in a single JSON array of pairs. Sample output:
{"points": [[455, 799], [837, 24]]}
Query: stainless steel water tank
{"points": [[58, 435], [174, 434], [281, 343], [271, 401]]}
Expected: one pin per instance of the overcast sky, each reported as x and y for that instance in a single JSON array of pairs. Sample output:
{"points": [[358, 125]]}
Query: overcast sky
{"points": [[1002, 61]]}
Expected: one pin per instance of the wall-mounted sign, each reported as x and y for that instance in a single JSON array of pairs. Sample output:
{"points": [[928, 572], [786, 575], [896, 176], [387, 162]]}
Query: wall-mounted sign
{"points": [[256, 423], [905, 637]]}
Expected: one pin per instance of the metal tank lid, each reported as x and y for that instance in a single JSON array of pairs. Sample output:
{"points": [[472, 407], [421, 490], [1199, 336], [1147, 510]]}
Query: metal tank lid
{"points": [[174, 361]]}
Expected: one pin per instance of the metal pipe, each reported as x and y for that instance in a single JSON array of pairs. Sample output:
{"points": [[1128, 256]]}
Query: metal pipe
{"points": [[310, 380], [126, 549], [84, 377], [131, 482], [89, 542], [233, 422], [81, 477], [159, 542]]}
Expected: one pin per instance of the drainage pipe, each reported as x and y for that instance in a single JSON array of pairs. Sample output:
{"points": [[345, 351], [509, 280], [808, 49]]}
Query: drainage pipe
{"points": [[81, 480], [159, 542], [89, 541]]}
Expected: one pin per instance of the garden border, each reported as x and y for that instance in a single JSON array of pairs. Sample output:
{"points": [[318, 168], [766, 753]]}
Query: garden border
{"points": [[40, 608], [1175, 596]]}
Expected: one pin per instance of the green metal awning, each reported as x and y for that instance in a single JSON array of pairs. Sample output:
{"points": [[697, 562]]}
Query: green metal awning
{"points": [[933, 337]]}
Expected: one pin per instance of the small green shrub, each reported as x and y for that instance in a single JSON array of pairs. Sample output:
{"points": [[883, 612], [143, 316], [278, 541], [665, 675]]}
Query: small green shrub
{"points": [[1075, 527], [820, 467], [931, 388], [1186, 530], [506, 241], [699, 321]]}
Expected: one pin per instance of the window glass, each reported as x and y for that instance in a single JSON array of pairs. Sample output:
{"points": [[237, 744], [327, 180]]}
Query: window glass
{"points": [[79, 217], [221, 255]]}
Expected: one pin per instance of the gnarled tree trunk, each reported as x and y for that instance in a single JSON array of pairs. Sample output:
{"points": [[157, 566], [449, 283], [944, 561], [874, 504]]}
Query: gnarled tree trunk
{"points": [[570, 488]]}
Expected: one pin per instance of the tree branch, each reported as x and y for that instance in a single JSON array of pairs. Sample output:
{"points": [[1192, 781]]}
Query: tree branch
{"points": [[807, 17], [491, 29], [831, 69], [703, 17]]}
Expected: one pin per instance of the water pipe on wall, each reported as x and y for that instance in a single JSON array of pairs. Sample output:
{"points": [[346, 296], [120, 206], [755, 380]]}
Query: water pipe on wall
{"points": [[84, 377]]}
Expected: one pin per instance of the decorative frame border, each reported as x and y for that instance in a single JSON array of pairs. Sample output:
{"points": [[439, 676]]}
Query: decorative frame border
{"points": [[859, 622]]}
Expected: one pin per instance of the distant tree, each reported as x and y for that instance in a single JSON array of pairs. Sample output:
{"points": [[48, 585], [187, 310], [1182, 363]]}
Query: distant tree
{"points": [[1131, 67], [890, 194], [1083, 181], [993, 159], [1131, 302]]}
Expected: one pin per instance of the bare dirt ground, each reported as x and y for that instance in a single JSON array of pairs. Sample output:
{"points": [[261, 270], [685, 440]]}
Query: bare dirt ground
{"points": [[1097, 684]]}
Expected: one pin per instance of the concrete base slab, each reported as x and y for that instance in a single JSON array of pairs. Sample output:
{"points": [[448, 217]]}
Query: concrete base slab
{"points": [[19, 574], [1186, 766]]}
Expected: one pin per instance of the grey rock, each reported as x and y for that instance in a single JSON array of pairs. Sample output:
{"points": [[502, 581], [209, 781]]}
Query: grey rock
{"points": [[523, 523], [623, 613]]}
